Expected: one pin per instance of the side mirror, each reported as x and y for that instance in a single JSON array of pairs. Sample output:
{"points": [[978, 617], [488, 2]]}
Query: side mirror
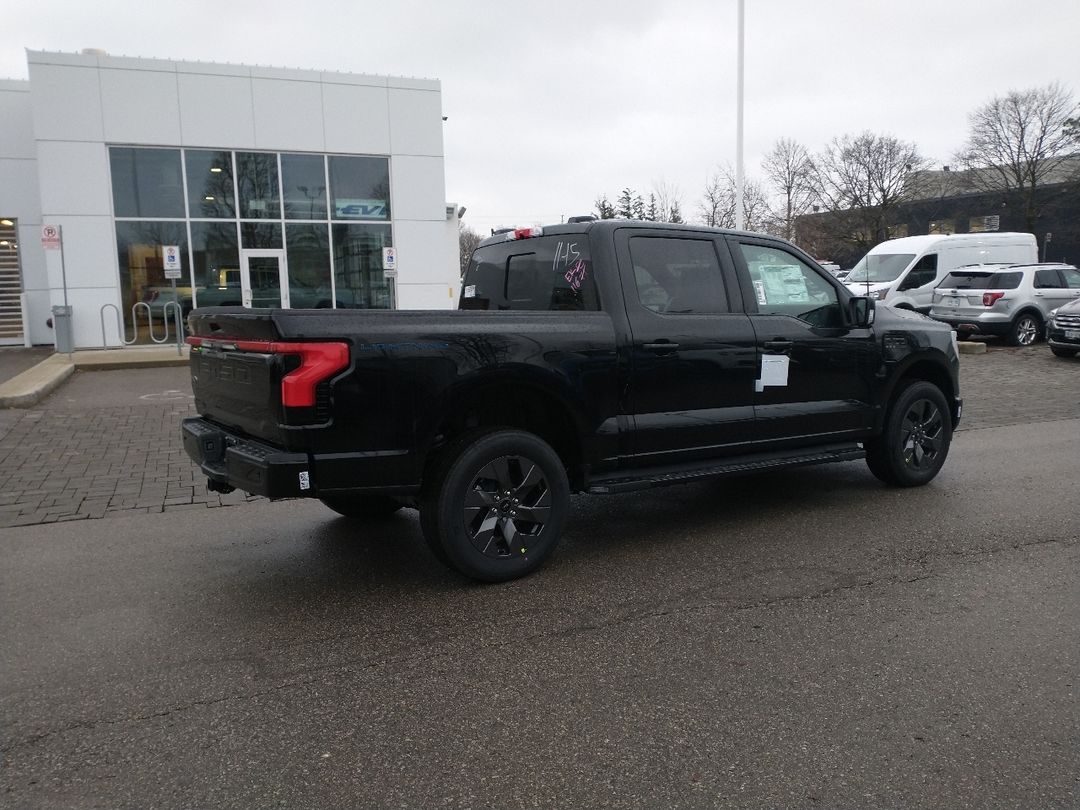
{"points": [[860, 311]]}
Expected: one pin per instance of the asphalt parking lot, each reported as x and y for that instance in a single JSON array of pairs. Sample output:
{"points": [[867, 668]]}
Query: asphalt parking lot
{"points": [[795, 639]]}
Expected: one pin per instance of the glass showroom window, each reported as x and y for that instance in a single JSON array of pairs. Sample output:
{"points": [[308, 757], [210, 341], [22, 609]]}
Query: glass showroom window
{"points": [[146, 182], [309, 264], [210, 184], [140, 246], [216, 261], [303, 180], [360, 187], [358, 267], [257, 179]]}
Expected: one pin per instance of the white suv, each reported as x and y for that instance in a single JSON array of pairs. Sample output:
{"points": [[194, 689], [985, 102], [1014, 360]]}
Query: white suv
{"points": [[1012, 301]]}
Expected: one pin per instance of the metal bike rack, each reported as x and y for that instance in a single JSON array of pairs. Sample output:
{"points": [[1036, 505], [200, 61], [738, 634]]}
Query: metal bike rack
{"points": [[121, 331]]}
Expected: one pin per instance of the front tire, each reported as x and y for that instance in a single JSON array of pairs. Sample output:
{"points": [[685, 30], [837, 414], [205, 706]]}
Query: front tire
{"points": [[494, 504], [915, 441], [1025, 329], [362, 506]]}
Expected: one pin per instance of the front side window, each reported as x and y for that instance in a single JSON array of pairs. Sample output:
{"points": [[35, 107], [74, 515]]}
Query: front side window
{"points": [[540, 275], [924, 271], [1072, 277], [784, 285], [678, 276]]}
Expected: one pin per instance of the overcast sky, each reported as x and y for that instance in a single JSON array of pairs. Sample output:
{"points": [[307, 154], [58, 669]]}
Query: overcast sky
{"points": [[551, 104]]}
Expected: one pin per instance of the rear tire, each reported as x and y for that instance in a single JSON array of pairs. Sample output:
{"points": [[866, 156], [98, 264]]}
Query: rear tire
{"points": [[494, 504], [362, 506], [1025, 330], [1063, 352], [915, 441]]}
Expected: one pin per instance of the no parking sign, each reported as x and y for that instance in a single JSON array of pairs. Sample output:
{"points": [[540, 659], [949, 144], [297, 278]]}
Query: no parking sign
{"points": [[170, 260]]}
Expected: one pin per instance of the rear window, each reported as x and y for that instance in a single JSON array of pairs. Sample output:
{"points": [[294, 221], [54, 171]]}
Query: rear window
{"points": [[542, 274], [967, 280]]}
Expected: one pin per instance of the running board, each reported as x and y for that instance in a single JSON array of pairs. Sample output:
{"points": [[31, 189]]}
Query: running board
{"points": [[648, 477]]}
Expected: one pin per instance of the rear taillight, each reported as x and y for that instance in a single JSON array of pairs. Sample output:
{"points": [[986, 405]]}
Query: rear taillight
{"points": [[318, 362], [990, 298]]}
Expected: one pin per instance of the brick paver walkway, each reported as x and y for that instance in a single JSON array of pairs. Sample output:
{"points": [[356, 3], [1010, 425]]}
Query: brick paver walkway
{"points": [[58, 464]]}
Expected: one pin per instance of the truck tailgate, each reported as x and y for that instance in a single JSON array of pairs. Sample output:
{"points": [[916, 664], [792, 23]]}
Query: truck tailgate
{"points": [[239, 389]]}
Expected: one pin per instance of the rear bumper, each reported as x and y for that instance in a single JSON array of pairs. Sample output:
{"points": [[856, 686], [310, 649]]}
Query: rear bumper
{"points": [[252, 466], [977, 325]]}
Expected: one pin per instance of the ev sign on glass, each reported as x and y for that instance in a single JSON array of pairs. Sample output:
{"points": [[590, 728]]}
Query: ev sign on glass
{"points": [[170, 260]]}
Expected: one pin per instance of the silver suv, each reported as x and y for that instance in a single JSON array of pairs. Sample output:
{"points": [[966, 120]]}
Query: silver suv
{"points": [[1012, 301]]}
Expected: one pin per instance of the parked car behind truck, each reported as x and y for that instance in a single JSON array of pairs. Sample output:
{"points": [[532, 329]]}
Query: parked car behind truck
{"points": [[595, 357], [1010, 301], [904, 272]]}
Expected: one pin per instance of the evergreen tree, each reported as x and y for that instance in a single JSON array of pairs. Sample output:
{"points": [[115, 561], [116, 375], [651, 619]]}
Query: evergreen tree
{"points": [[604, 209], [652, 213], [639, 207], [675, 215], [625, 205]]}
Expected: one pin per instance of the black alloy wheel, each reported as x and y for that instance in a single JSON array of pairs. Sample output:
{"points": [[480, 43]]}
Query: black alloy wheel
{"points": [[494, 503], [506, 505], [915, 440], [924, 434]]}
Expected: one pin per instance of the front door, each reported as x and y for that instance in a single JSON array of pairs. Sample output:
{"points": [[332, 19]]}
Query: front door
{"points": [[264, 279], [817, 372]]}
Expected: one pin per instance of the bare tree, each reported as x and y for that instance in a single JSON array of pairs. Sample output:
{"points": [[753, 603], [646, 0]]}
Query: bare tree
{"points": [[668, 201], [862, 179], [717, 203], [468, 240], [789, 169], [1018, 141]]}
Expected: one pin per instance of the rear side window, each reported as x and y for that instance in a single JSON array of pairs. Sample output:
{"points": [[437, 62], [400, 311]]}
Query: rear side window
{"points": [[1047, 279], [542, 274], [678, 276]]}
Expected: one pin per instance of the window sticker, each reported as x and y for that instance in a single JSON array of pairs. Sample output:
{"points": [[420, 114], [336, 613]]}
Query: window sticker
{"points": [[784, 283], [759, 290], [774, 372], [470, 291]]}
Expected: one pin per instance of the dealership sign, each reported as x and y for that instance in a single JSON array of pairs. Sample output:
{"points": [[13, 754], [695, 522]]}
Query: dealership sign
{"points": [[360, 209]]}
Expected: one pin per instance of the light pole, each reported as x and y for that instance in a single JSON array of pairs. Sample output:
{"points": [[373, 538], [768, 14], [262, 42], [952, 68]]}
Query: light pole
{"points": [[740, 217]]}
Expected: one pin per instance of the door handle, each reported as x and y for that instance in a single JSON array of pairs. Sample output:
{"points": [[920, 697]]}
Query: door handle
{"points": [[783, 346], [663, 347]]}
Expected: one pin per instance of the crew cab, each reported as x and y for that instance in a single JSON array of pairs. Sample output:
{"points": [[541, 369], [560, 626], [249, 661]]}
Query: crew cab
{"points": [[590, 357]]}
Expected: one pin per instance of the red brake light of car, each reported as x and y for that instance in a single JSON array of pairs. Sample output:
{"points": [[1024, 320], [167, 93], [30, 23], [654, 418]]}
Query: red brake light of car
{"points": [[526, 233], [990, 298], [318, 361]]}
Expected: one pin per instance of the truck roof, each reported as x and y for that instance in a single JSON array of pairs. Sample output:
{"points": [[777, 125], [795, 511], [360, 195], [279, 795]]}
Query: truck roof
{"points": [[507, 235]]}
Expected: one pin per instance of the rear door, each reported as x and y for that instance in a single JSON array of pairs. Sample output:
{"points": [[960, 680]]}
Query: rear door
{"points": [[692, 356], [816, 374], [1051, 290]]}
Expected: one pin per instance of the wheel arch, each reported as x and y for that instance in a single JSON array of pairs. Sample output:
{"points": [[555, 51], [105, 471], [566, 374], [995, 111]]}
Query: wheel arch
{"points": [[513, 403], [920, 368]]}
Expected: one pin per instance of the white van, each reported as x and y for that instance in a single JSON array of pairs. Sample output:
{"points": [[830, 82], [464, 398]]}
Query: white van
{"points": [[903, 272]]}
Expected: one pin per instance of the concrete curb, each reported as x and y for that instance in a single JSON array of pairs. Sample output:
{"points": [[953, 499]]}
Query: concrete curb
{"points": [[33, 385], [971, 347]]}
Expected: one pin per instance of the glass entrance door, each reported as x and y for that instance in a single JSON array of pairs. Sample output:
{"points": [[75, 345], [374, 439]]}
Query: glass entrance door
{"points": [[264, 279]]}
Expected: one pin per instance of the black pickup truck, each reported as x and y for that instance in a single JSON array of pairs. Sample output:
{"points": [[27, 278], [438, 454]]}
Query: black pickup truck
{"points": [[598, 357]]}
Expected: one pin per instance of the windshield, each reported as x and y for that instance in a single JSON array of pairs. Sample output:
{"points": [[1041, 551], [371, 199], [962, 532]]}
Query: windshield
{"points": [[874, 267]]}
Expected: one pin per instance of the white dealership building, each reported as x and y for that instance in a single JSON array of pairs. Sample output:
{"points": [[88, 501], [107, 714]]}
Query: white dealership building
{"points": [[256, 186]]}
